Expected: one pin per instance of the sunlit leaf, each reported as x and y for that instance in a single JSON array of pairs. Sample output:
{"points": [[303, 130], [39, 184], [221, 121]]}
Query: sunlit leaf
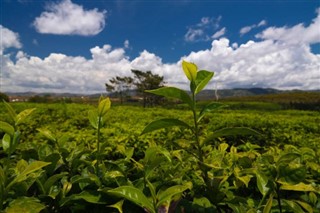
{"points": [[11, 111], [134, 195], [262, 182], [104, 106], [298, 187], [164, 123], [117, 206], [190, 70], [93, 118], [21, 117], [25, 205], [294, 207], [48, 134], [7, 128], [268, 206], [202, 79], [166, 195], [6, 142]]}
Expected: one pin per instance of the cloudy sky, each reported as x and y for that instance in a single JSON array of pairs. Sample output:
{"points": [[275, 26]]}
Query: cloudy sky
{"points": [[77, 45]]}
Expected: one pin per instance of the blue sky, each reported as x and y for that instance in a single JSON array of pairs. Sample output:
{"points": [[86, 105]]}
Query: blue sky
{"points": [[76, 46]]}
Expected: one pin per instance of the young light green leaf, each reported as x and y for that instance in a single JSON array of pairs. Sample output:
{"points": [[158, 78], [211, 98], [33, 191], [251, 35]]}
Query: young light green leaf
{"points": [[294, 207], [23, 115], [93, 118], [305, 205], [164, 123], [262, 182], [172, 92], [166, 195], [232, 131], [190, 70], [268, 206], [134, 195], [6, 142], [11, 111], [104, 106], [52, 180], [298, 187], [203, 78], [48, 134], [32, 167], [25, 205], [117, 206], [7, 128]]}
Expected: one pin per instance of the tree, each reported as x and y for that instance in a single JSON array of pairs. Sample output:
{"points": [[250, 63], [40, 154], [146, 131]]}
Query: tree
{"points": [[120, 85], [4, 97], [147, 81]]}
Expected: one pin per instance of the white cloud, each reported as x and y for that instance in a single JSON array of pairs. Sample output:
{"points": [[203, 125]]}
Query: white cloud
{"points": [[67, 18], [8, 39], [201, 30], [219, 33], [247, 29], [298, 34], [194, 35], [126, 44], [270, 62]]}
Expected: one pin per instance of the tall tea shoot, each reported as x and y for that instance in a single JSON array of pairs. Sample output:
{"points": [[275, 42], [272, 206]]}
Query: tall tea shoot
{"points": [[198, 81], [97, 118], [12, 134]]}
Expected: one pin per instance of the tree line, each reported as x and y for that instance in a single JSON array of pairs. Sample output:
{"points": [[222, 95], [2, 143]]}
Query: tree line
{"points": [[140, 82]]}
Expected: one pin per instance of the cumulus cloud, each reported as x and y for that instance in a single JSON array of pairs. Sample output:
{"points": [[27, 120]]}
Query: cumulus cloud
{"points": [[201, 30], [67, 18], [219, 33], [247, 29], [269, 62], [8, 39], [298, 34]]}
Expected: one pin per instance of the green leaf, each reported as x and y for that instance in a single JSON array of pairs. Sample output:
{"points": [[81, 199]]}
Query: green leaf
{"points": [[166, 195], [209, 108], [88, 196], [287, 158], [134, 195], [104, 106], [164, 123], [11, 111], [262, 182], [172, 92], [202, 79], [232, 131], [298, 187], [293, 206], [52, 180], [117, 206], [93, 118], [268, 206], [305, 205], [190, 70], [6, 143], [32, 167], [25, 205], [7, 128], [21, 117], [48, 134]]}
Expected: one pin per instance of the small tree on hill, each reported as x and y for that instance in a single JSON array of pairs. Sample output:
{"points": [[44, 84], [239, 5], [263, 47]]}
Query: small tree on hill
{"points": [[120, 85], [147, 81]]}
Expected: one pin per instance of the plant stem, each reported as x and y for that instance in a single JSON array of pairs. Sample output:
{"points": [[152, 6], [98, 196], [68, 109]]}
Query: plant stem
{"points": [[200, 154], [278, 197]]}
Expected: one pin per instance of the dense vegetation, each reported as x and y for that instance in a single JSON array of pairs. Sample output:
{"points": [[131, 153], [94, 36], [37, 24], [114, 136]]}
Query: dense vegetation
{"points": [[213, 158]]}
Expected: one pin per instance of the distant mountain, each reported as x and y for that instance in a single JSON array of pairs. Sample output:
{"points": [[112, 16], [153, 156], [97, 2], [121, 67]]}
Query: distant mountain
{"points": [[203, 95]]}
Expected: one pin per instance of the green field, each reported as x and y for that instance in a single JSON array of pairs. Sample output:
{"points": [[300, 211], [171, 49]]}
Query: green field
{"points": [[57, 166]]}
